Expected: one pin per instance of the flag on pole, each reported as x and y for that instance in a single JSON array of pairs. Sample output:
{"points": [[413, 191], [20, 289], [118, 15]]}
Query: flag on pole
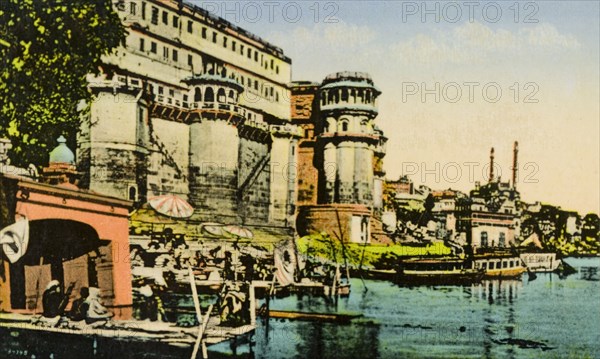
{"points": [[285, 263], [14, 240]]}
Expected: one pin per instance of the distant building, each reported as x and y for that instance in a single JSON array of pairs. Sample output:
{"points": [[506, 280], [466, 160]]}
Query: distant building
{"points": [[491, 215], [444, 211]]}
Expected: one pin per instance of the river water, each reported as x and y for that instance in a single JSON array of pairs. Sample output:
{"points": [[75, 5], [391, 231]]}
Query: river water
{"points": [[548, 317]]}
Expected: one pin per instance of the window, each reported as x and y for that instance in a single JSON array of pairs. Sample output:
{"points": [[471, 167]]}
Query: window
{"points": [[209, 96], [504, 264], [166, 52], [256, 85], [154, 15], [256, 56], [344, 126], [214, 37], [271, 91], [160, 90], [221, 95], [175, 55], [197, 94], [277, 69], [142, 45], [241, 49], [233, 45], [345, 95], [484, 239], [143, 10], [132, 193], [204, 33], [249, 53], [224, 41], [165, 18], [175, 21], [190, 26], [153, 47], [502, 240], [190, 60], [132, 8]]}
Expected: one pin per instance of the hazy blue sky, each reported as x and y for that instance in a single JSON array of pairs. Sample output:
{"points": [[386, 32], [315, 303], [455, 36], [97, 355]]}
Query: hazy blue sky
{"points": [[542, 56]]}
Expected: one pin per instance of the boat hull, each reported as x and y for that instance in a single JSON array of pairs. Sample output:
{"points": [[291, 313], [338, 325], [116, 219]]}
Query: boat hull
{"points": [[464, 277]]}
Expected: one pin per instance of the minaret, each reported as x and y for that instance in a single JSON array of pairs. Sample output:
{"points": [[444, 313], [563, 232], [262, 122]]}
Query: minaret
{"points": [[491, 166], [515, 164]]}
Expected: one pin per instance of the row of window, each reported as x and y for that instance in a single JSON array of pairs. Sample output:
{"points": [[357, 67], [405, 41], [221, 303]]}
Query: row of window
{"points": [[174, 21], [500, 265], [501, 240], [173, 55], [357, 96]]}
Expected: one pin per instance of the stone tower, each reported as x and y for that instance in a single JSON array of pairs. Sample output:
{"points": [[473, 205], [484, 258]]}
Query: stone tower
{"points": [[348, 139], [344, 147], [114, 139]]}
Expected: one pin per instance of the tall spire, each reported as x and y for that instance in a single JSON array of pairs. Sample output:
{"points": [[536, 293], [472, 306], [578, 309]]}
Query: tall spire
{"points": [[515, 164], [491, 165]]}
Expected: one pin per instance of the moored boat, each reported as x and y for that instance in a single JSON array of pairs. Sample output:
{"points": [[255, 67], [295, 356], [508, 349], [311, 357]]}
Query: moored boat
{"points": [[439, 271], [499, 266], [540, 261]]}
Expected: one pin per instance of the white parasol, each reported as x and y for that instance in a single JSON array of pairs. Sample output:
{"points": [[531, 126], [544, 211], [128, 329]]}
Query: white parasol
{"points": [[171, 205]]}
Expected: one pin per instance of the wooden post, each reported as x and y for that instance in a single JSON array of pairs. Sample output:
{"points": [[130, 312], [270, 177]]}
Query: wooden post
{"points": [[252, 299], [195, 295], [201, 329], [335, 279]]}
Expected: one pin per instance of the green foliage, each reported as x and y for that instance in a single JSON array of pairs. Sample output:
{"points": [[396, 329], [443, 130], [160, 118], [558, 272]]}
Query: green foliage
{"points": [[375, 255], [46, 50]]}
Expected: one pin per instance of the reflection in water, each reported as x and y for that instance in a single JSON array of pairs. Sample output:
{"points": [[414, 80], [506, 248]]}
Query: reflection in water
{"points": [[550, 316]]}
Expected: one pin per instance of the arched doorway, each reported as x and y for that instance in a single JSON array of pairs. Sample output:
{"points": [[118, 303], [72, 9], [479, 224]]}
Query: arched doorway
{"points": [[59, 249]]}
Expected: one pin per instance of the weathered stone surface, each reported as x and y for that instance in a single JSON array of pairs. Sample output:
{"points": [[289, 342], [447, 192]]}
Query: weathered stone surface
{"points": [[254, 181]]}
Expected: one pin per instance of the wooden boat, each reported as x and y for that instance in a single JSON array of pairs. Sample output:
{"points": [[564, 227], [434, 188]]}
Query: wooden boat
{"points": [[540, 261], [321, 317], [499, 266], [437, 271]]}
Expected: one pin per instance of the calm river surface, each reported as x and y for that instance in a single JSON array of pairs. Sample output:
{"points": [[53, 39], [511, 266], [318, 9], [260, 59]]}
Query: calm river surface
{"points": [[549, 317], [546, 317]]}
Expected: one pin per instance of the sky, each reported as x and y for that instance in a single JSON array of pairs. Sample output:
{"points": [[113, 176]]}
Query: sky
{"points": [[458, 78]]}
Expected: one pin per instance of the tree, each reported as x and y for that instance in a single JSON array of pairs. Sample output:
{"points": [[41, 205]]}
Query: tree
{"points": [[46, 51]]}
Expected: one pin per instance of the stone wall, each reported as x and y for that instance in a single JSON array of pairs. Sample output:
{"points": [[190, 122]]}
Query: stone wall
{"points": [[213, 182], [254, 181], [168, 162], [308, 175]]}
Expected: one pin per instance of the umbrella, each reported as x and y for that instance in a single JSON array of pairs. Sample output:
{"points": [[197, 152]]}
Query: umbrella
{"points": [[240, 232], [212, 228], [172, 206]]}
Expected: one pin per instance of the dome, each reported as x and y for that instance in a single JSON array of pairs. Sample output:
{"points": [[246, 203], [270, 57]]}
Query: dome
{"points": [[62, 153]]}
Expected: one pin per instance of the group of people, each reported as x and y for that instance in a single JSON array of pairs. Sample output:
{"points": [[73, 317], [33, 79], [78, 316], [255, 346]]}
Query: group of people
{"points": [[87, 307]]}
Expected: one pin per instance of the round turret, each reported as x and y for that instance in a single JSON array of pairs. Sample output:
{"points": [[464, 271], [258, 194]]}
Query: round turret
{"points": [[349, 91]]}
